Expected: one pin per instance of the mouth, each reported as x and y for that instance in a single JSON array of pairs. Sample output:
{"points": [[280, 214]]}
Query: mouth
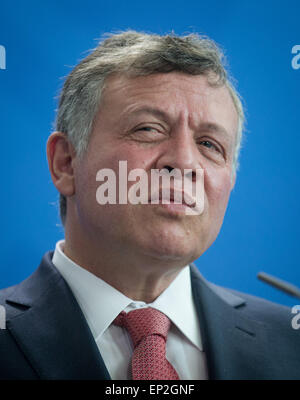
{"points": [[175, 201]]}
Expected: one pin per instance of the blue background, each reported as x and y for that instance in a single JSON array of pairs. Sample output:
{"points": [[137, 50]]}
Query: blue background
{"points": [[44, 39]]}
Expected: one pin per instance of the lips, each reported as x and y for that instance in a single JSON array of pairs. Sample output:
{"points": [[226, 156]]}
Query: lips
{"points": [[172, 196]]}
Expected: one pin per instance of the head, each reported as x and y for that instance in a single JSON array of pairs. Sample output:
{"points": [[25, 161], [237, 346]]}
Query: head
{"points": [[103, 102]]}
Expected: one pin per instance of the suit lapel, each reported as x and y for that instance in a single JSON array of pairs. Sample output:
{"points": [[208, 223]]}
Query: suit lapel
{"points": [[51, 330], [235, 345]]}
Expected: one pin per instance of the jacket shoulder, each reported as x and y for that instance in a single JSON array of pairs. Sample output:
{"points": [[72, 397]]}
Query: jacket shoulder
{"points": [[263, 309]]}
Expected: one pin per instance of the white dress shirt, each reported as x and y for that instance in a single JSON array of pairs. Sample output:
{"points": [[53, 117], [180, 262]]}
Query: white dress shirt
{"points": [[101, 303]]}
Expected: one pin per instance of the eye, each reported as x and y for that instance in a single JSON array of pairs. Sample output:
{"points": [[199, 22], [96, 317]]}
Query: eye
{"points": [[209, 145], [211, 149], [148, 134], [147, 129]]}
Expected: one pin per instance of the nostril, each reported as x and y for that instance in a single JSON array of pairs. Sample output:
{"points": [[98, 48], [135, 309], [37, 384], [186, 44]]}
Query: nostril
{"points": [[194, 176], [168, 168]]}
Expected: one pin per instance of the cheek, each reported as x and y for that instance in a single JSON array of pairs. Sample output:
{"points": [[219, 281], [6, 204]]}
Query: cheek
{"points": [[86, 184], [85, 195], [217, 189], [86, 171], [136, 158]]}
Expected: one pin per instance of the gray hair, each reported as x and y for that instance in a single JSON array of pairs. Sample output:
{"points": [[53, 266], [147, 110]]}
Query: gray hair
{"points": [[136, 54]]}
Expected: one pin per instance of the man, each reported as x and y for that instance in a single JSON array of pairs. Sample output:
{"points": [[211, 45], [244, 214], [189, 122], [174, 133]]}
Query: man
{"points": [[160, 103]]}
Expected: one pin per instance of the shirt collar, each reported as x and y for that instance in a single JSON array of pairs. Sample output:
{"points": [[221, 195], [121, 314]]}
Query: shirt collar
{"points": [[177, 303], [94, 294]]}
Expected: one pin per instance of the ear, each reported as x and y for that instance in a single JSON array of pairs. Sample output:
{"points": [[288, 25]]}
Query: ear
{"points": [[60, 155]]}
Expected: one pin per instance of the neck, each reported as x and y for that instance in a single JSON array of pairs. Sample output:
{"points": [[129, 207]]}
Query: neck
{"points": [[137, 276]]}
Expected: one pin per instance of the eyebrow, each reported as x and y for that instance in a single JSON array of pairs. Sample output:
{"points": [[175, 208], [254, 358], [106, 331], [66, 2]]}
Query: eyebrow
{"points": [[151, 110], [214, 128]]}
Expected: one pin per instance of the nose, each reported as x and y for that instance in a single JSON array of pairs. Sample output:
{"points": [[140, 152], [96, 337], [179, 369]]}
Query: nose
{"points": [[180, 152]]}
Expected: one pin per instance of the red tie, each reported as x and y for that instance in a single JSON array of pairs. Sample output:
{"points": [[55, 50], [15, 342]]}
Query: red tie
{"points": [[148, 329]]}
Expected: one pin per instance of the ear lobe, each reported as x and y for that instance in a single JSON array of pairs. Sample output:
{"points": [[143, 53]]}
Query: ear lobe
{"points": [[60, 155]]}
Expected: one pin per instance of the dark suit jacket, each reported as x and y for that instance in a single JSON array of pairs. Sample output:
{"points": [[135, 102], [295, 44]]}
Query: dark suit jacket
{"points": [[47, 337]]}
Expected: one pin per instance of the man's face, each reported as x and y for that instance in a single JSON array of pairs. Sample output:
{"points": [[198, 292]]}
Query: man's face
{"points": [[174, 120]]}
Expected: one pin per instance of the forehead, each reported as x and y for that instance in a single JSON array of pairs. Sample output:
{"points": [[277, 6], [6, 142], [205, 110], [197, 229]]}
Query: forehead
{"points": [[193, 86], [175, 93]]}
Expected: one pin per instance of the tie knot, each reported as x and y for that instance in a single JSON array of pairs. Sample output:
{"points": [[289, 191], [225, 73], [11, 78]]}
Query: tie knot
{"points": [[144, 322]]}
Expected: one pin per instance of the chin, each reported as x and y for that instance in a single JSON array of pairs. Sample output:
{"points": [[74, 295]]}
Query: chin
{"points": [[176, 251]]}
